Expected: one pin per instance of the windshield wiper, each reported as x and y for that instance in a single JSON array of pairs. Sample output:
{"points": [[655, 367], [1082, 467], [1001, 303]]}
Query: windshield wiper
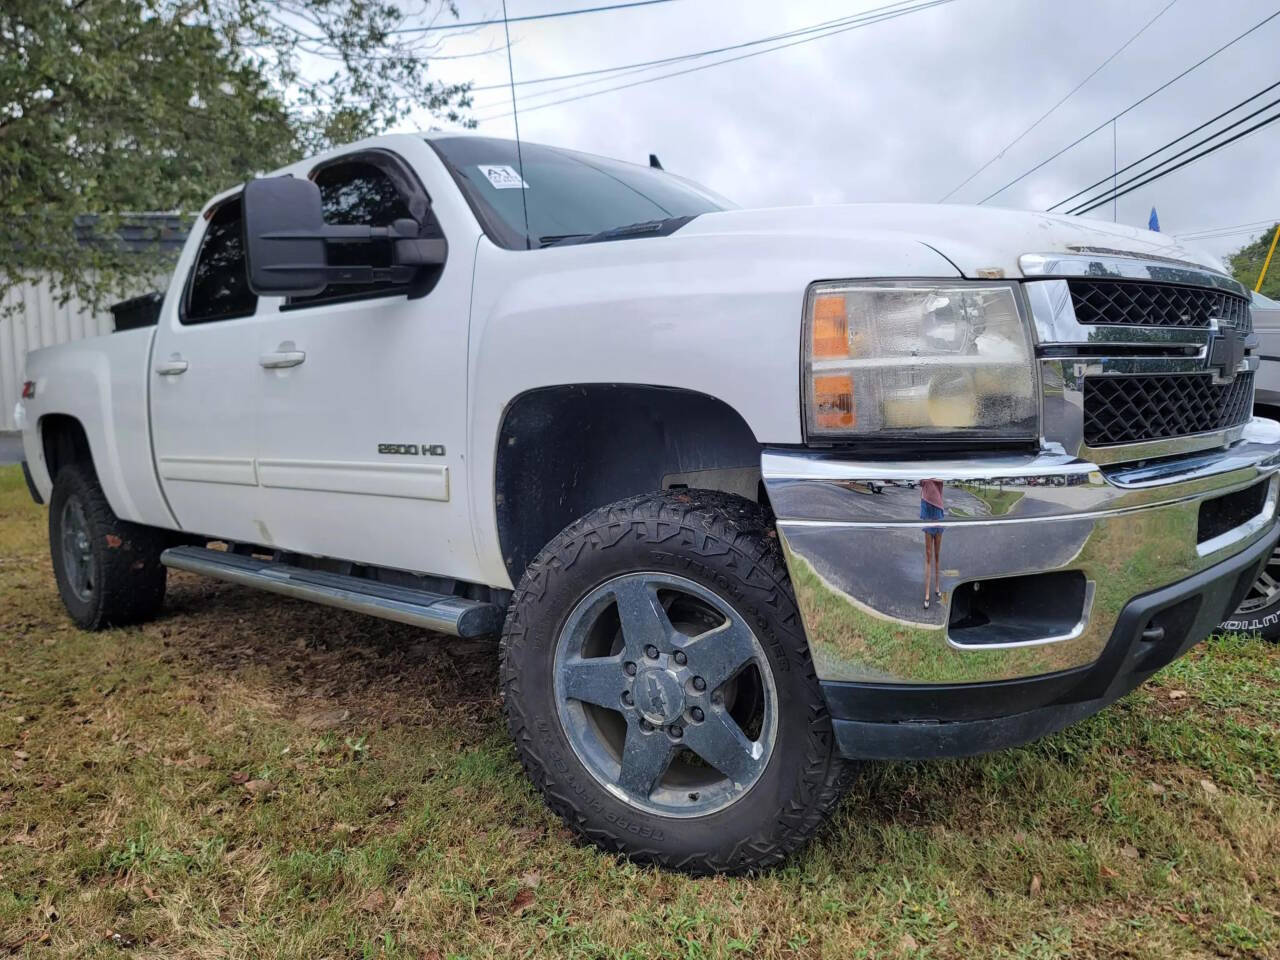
{"points": [[554, 238], [644, 228]]}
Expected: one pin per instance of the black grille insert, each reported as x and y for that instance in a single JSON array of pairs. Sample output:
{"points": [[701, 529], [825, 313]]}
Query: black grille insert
{"points": [[1224, 513], [1161, 407], [1141, 302]]}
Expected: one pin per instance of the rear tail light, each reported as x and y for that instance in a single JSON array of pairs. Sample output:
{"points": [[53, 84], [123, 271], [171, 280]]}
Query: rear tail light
{"points": [[28, 389]]}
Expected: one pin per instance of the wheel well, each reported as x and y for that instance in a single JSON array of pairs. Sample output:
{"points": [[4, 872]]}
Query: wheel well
{"points": [[565, 450], [64, 442]]}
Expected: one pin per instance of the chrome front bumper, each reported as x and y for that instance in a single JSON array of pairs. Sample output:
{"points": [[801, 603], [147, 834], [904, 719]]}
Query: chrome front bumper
{"points": [[855, 550]]}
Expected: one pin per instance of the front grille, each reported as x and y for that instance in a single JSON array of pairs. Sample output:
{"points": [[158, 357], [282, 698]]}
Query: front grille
{"points": [[1141, 302], [1134, 409]]}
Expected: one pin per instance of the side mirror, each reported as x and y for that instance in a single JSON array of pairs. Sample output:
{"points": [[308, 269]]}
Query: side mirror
{"points": [[285, 236]]}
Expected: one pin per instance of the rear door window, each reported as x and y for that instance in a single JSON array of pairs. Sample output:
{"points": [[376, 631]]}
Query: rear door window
{"points": [[218, 288]]}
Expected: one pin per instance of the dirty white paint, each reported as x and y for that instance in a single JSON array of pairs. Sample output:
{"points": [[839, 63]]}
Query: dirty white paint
{"points": [[40, 321]]}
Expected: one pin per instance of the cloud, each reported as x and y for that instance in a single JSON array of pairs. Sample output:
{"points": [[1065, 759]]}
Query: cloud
{"points": [[905, 109]]}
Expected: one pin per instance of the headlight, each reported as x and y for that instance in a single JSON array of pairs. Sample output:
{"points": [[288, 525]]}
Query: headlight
{"points": [[887, 358]]}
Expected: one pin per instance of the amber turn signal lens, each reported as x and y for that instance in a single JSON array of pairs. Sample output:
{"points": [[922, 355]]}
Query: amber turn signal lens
{"points": [[830, 327], [833, 402]]}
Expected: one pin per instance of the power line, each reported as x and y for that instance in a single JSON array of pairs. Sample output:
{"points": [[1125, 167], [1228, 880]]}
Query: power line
{"points": [[693, 56], [532, 16], [1234, 228], [706, 66], [1168, 83], [1182, 152], [1074, 90], [1204, 153], [1194, 130]]}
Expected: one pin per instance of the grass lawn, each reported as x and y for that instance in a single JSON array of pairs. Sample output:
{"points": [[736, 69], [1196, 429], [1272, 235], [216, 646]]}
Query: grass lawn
{"points": [[255, 777]]}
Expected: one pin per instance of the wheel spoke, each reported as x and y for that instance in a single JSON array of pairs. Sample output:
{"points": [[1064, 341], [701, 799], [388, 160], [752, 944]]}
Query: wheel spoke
{"points": [[644, 621], [597, 680], [645, 758], [720, 653], [720, 741]]}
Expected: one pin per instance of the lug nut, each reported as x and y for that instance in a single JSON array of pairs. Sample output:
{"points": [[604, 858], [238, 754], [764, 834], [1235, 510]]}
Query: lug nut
{"points": [[651, 652], [677, 731], [696, 714], [699, 684], [627, 698], [717, 698], [645, 724], [680, 658], [629, 668]]}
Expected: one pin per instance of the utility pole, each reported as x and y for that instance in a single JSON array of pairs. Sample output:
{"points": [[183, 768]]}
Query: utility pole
{"points": [[1266, 263]]}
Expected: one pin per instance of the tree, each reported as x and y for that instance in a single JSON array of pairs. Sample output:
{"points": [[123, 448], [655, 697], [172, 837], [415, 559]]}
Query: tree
{"points": [[113, 107], [1246, 263]]}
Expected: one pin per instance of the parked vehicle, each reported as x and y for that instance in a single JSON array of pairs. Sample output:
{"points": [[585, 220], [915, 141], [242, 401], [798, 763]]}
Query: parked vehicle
{"points": [[749, 494], [1259, 612]]}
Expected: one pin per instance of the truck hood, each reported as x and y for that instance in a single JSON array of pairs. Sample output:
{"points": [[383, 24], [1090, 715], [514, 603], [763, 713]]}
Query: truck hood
{"points": [[977, 240]]}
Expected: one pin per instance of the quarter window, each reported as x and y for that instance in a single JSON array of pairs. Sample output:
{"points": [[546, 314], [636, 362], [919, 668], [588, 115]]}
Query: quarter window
{"points": [[219, 284]]}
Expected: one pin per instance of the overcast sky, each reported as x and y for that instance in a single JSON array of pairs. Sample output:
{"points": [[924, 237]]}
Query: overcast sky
{"points": [[900, 110]]}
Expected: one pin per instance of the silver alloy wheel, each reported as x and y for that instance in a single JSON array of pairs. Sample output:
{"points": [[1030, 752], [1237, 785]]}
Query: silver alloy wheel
{"points": [[1265, 590], [77, 556], [665, 694]]}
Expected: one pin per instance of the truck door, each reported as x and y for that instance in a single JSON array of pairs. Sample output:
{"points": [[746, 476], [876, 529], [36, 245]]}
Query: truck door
{"points": [[205, 387], [362, 437]]}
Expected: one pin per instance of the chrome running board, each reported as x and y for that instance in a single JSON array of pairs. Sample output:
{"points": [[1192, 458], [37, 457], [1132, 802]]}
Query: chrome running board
{"points": [[455, 616]]}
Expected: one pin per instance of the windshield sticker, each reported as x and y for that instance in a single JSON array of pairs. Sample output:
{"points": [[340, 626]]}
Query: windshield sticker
{"points": [[502, 176]]}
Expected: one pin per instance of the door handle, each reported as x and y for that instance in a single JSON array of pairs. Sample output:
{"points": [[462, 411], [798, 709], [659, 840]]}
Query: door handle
{"points": [[281, 358], [172, 367]]}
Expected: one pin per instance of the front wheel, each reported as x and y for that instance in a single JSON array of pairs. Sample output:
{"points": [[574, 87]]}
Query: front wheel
{"points": [[1259, 612], [659, 688]]}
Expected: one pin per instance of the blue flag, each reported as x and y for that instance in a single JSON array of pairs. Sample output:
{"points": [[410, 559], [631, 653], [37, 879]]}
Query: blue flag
{"points": [[1154, 222]]}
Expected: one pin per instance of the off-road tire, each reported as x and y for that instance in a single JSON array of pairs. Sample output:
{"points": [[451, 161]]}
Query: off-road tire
{"points": [[129, 580], [728, 545], [1259, 613]]}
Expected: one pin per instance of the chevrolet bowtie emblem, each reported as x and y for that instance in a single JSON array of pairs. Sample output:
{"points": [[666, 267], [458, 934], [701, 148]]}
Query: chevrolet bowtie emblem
{"points": [[1226, 350]]}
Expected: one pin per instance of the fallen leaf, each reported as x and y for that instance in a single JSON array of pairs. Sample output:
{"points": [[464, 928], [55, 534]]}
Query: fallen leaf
{"points": [[1209, 787], [259, 787], [1177, 694], [532, 880], [1035, 885], [200, 761], [1129, 851], [343, 828], [1020, 838], [22, 755], [239, 777], [374, 901], [522, 901], [908, 943], [1155, 789], [388, 802], [1107, 871], [458, 792]]}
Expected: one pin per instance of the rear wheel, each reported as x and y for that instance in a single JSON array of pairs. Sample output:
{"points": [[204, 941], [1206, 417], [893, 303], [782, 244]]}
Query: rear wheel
{"points": [[108, 570], [659, 688], [1259, 612]]}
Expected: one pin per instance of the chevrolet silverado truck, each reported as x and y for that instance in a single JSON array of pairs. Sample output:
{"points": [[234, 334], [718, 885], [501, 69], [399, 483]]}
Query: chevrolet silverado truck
{"points": [[748, 495]]}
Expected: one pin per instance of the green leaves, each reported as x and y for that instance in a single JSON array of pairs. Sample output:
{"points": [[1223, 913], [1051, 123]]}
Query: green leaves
{"points": [[111, 107]]}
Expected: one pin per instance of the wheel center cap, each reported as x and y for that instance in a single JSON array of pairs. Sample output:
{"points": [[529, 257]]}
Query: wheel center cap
{"points": [[659, 696]]}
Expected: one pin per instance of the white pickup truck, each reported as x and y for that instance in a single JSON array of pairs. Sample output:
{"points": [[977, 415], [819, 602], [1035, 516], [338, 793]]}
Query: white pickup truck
{"points": [[748, 494]]}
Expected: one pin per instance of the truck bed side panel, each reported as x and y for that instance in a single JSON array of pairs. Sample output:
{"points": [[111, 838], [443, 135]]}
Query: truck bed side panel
{"points": [[102, 382]]}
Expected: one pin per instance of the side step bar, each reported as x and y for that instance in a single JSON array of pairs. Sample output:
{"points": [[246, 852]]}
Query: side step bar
{"points": [[455, 616]]}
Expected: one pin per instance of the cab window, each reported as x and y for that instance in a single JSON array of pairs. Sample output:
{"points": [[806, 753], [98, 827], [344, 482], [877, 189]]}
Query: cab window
{"points": [[218, 287]]}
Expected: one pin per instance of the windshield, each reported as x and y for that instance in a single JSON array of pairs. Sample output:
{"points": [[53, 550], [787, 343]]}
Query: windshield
{"points": [[570, 195]]}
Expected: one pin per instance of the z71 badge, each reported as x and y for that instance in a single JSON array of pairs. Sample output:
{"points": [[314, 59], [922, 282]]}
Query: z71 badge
{"points": [[413, 449]]}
